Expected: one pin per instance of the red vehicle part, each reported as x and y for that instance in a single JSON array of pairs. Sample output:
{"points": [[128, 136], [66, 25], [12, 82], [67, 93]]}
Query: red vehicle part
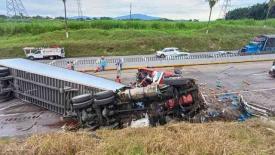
{"points": [[146, 76], [150, 72], [183, 100]]}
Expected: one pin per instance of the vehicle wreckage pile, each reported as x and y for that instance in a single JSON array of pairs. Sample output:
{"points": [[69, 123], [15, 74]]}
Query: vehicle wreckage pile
{"points": [[176, 98]]}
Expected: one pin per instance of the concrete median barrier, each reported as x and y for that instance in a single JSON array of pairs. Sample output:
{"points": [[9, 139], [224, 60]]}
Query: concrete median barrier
{"points": [[182, 62]]}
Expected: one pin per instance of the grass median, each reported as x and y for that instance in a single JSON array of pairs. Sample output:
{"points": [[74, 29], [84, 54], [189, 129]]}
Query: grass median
{"points": [[95, 38]]}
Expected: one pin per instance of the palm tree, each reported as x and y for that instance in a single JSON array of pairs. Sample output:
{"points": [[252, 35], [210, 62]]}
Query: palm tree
{"points": [[211, 5]]}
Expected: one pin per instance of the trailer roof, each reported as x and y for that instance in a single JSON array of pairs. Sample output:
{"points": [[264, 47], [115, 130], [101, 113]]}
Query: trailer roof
{"points": [[60, 73]]}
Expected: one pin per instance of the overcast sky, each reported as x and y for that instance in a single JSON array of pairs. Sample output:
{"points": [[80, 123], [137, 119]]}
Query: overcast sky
{"points": [[172, 9]]}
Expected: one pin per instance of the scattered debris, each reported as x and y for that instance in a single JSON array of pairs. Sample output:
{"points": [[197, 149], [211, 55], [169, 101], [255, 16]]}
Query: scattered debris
{"points": [[144, 122]]}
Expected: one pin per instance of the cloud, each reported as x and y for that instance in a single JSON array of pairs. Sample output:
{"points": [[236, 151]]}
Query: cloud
{"points": [[173, 9]]}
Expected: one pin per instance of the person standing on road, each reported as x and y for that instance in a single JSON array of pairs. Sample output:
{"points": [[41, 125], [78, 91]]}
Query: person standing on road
{"points": [[72, 65], [103, 63], [119, 66], [69, 65], [121, 61]]}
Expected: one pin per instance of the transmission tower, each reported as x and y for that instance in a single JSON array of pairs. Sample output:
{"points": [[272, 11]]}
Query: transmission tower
{"points": [[226, 4], [15, 8], [80, 13]]}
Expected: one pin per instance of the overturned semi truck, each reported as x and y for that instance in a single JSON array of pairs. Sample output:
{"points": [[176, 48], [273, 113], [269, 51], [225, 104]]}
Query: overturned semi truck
{"points": [[97, 102]]}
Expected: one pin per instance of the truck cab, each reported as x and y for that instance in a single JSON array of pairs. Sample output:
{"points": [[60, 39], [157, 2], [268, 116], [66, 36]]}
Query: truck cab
{"points": [[260, 44]]}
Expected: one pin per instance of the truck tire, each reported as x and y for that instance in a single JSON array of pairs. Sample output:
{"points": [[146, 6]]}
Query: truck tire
{"points": [[4, 70], [103, 95], [4, 74], [31, 58], [177, 81], [52, 57], [82, 105], [82, 98], [162, 56], [104, 101]]}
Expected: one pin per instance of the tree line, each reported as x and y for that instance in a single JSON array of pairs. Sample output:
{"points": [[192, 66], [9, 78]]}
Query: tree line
{"points": [[258, 12]]}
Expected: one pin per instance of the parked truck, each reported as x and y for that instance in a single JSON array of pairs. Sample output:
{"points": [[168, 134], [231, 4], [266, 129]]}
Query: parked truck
{"points": [[260, 44], [44, 53]]}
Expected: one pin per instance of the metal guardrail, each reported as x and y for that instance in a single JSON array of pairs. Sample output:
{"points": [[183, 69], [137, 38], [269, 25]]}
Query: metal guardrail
{"points": [[152, 61]]}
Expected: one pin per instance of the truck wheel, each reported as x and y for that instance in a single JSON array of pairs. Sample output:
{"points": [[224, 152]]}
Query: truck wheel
{"points": [[31, 58], [104, 101], [52, 57], [82, 105], [103, 95], [162, 56], [82, 98]]}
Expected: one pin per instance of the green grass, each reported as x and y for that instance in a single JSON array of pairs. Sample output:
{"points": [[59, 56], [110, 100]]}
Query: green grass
{"points": [[216, 138], [108, 37]]}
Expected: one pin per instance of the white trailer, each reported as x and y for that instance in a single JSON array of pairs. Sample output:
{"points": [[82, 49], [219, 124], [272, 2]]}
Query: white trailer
{"points": [[44, 53]]}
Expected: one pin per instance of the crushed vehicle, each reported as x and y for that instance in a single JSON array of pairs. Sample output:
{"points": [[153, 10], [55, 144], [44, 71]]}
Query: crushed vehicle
{"points": [[260, 44], [147, 76], [177, 98], [54, 52], [159, 95]]}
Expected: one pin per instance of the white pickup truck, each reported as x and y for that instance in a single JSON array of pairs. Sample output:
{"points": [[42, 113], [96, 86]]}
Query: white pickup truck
{"points": [[44, 53]]}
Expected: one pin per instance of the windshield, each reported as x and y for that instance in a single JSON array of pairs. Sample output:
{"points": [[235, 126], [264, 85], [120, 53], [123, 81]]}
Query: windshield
{"points": [[254, 43]]}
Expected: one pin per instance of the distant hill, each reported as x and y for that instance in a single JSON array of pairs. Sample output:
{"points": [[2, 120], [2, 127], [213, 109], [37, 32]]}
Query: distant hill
{"points": [[137, 16]]}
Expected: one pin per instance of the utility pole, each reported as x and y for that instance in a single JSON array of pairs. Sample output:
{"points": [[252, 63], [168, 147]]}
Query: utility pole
{"points": [[130, 10], [65, 19]]}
